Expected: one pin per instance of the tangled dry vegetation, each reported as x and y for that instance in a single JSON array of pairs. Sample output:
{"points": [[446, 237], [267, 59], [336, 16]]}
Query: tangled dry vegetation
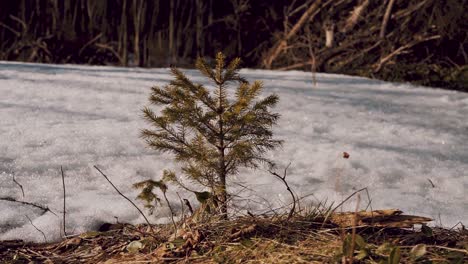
{"points": [[315, 236]]}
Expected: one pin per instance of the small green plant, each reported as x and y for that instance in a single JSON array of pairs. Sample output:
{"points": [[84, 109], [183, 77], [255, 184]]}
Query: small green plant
{"points": [[210, 135], [359, 250]]}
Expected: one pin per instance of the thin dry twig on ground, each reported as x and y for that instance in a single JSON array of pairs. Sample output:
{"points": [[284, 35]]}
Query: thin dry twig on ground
{"points": [[126, 198], [64, 200], [17, 183], [45, 209], [171, 211], [182, 207], [30, 221]]}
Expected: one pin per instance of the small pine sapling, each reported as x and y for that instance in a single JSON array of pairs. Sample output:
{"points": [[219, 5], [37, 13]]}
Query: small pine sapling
{"points": [[210, 135], [150, 198]]}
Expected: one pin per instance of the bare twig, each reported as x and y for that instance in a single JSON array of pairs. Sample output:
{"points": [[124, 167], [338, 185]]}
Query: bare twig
{"points": [[17, 183], [23, 24], [283, 179], [11, 29], [30, 221], [64, 198], [432, 183], [126, 198], [355, 15], [182, 207], [401, 49], [386, 17], [42, 207], [172, 212], [111, 49], [96, 38], [297, 65], [349, 197]]}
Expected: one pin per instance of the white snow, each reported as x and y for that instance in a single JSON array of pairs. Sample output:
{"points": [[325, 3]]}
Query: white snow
{"points": [[400, 137]]}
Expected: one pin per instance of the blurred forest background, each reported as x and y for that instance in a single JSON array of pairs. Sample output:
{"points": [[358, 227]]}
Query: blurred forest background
{"points": [[422, 41]]}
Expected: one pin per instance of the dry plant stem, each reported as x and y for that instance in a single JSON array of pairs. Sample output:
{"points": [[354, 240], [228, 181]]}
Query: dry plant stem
{"points": [[353, 232], [283, 179], [189, 206], [347, 198], [172, 212], [181, 207], [344, 201], [17, 183], [30, 221], [126, 198], [43, 208], [64, 199]]}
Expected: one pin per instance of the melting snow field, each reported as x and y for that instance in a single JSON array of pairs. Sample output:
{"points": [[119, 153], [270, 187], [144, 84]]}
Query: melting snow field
{"points": [[408, 145]]}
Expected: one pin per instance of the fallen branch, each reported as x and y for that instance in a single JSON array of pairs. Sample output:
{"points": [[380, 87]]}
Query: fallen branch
{"points": [[126, 198], [355, 15], [276, 50], [350, 59], [386, 17], [42, 207], [30, 221]]}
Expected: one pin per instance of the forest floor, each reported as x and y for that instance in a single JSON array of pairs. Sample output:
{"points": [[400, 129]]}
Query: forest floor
{"points": [[381, 236]]}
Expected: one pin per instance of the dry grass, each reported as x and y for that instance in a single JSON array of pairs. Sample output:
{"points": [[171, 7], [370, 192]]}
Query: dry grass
{"points": [[303, 239]]}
